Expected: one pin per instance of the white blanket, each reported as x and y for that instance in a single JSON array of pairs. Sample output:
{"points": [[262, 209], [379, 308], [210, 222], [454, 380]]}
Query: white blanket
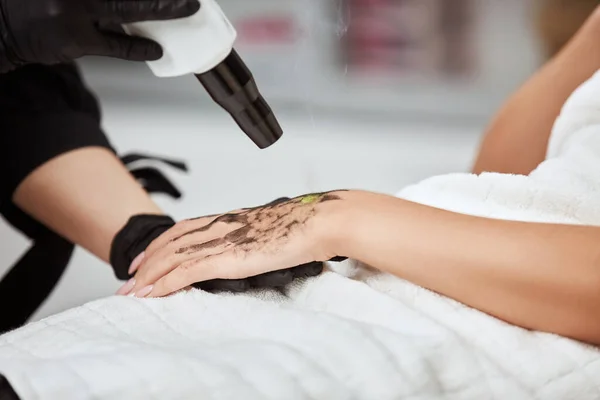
{"points": [[360, 336]]}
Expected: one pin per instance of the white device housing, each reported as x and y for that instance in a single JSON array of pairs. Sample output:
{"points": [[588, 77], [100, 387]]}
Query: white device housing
{"points": [[191, 45]]}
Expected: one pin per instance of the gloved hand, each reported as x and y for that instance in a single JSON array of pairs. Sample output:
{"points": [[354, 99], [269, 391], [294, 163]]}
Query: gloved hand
{"points": [[275, 279], [56, 31]]}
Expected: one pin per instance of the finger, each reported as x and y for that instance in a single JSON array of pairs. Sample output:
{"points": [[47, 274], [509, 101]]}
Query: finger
{"points": [[179, 229], [199, 246], [187, 273], [193, 234], [184, 228], [125, 47], [228, 264], [135, 264], [128, 11], [213, 270], [163, 263]]}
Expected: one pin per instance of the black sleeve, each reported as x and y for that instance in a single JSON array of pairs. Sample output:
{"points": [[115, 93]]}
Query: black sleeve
{"points": [[45, 111]]}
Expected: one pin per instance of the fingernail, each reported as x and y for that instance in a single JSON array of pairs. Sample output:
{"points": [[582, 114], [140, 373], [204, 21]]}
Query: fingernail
{"points": [[126, 288], [144, 292], [136, 263]]}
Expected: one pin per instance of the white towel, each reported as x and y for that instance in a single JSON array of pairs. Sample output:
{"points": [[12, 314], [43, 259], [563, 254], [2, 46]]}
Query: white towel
{"points": [[356, 335]]}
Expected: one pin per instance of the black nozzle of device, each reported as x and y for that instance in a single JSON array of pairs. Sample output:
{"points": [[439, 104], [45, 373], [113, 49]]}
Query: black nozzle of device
{"points": [[232, 86]]}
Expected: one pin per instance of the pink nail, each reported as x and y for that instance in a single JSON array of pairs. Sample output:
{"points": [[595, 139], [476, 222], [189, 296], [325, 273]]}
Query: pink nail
{"points": [[144, 292], [135, 264], [126, 288]]}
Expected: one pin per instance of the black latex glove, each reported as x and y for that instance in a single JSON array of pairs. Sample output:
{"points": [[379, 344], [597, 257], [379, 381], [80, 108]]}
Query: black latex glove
{"points": [[56, 31], [133, 239]]}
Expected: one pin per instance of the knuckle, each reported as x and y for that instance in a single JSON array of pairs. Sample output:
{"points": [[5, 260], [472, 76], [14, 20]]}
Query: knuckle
{"points": [[178, 229], [179, 278], [172, 249], [182, 224], [141, 278], [161, 241], [154, 245], [187, 266], [171, 260], [157, 262], [153, 248]]}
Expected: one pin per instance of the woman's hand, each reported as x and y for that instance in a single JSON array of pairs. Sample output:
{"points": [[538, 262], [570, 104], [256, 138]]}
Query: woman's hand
{"points": [[239, 244]]}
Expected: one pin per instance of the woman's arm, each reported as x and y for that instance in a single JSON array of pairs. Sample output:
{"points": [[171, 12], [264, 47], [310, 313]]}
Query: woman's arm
{"points": [[86, 195], [544, 277], [517, 139], [538, 276]]}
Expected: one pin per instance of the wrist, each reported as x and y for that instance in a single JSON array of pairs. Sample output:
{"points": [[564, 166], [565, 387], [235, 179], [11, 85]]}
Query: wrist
{"points": [[337, 223]]}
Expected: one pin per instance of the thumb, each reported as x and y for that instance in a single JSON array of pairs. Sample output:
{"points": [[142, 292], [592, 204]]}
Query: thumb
{"points": [[130, 48], [127, 11]]}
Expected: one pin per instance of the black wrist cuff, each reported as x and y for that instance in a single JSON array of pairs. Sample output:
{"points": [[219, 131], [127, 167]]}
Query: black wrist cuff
{"points": [[133, 239]]}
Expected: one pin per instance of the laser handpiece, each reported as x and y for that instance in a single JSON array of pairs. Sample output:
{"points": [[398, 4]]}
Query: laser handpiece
{"points": [[203, 45]]}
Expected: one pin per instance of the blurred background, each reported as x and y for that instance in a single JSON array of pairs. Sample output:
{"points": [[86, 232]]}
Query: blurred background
{"points": [[371, 94]]}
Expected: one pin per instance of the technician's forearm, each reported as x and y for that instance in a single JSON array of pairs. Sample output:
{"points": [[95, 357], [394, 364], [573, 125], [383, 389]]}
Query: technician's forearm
{"points": [[85, 195], [517, 139], [538, 276]]}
